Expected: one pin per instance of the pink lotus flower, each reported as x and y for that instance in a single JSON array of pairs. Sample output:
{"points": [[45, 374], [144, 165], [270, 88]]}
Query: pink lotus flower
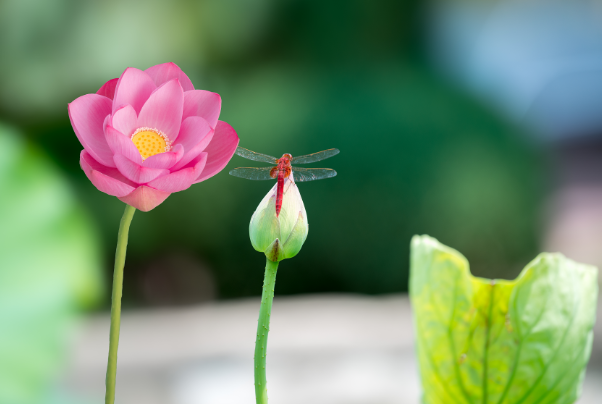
{"points": [[150, 133]]}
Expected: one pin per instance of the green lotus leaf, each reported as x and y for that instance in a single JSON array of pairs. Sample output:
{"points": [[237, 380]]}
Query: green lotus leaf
{"points": [[487, 341], [49, 269]]}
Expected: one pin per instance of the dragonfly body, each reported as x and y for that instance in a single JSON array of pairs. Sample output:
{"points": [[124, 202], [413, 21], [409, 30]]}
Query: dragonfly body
{"points": [[280, 172], [283, 169]]}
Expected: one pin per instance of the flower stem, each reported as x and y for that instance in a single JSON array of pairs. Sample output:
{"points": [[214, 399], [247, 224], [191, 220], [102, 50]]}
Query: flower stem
{"points": [[263, 327], [122, 243]]}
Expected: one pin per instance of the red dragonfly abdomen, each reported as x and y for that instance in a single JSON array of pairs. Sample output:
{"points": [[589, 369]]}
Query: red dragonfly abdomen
{"points": [[279, 191], [281, 171]]}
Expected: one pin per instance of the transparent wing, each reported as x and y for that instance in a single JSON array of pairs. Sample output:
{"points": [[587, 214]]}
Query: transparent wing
{"points": [[312, 174], [252, 173], [251, 155], [312, 158]]}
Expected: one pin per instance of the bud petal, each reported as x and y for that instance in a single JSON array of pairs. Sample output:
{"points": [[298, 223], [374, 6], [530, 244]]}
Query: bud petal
{"points": [[295, 241], [264, 227], [292, 204], [275, 252]]}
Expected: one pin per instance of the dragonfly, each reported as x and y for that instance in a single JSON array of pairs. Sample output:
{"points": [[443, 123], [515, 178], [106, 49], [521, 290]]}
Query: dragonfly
{"points": [[281, 168]]}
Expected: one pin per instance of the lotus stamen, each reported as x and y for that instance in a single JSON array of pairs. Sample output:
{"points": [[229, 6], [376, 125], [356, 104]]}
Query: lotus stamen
{"points": [[150, 141]]}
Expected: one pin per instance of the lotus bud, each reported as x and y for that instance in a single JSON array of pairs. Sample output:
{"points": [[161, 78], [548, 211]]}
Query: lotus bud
{"points": [[279, 236]]}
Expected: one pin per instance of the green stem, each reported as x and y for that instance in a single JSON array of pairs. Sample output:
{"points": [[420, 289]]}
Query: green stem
{"points": [[122, 243], [263, 327]]}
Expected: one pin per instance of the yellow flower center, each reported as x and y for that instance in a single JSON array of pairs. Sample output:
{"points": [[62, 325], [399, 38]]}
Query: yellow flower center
{"points": [[150, 142]]}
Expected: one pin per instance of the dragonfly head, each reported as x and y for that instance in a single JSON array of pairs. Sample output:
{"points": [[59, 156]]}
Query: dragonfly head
{"points": [[286, 158]]}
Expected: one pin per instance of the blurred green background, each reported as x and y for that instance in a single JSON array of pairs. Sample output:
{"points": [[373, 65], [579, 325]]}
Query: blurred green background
{"points": [[418, 155]]}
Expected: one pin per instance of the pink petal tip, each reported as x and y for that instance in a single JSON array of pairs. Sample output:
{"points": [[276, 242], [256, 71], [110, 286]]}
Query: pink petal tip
{"points": [[108, 88], [168, 71]]}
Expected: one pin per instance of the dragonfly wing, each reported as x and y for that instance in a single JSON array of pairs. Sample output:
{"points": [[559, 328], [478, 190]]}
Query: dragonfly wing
{"points": [[312, 158], [251, 155], [312, 174], [252, 173]]}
